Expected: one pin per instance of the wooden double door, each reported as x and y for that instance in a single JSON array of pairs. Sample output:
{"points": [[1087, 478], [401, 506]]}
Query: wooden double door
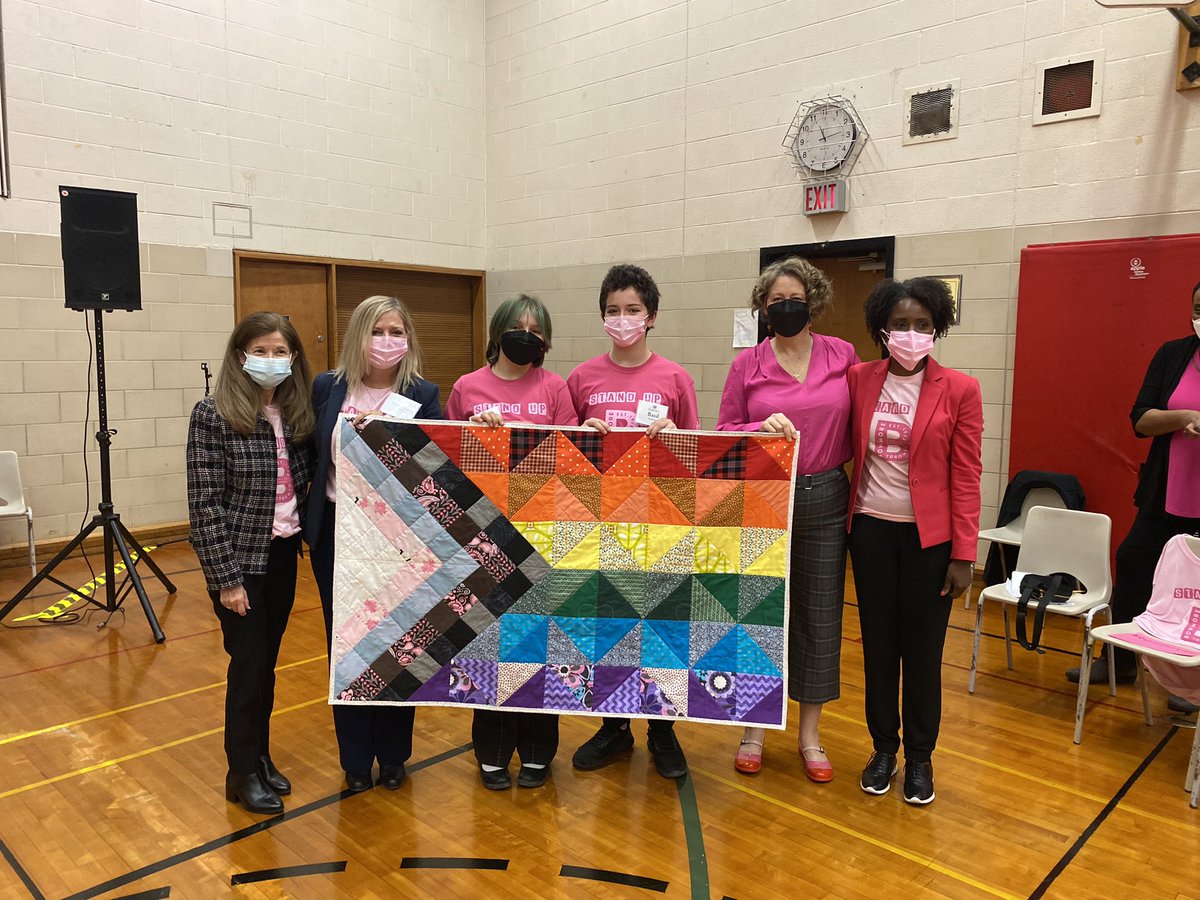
{"points": [[448, 306]]}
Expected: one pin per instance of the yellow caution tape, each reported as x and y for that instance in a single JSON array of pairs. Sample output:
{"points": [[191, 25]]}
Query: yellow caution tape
{"points": [[79, 594]]}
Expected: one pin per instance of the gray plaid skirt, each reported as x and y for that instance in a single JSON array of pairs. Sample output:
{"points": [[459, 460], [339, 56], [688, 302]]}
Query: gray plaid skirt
{"points": [[817, 586]]}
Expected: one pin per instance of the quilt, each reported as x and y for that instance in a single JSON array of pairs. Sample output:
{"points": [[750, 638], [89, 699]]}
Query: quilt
{"points": [[552, 569]]}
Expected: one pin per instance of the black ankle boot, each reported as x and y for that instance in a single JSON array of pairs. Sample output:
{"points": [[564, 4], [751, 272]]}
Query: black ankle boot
{"points": [[272, 777], [252, 793]]}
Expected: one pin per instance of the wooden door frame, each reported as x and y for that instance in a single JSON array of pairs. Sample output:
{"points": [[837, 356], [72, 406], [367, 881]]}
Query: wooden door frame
{"points": [[478, 279]]}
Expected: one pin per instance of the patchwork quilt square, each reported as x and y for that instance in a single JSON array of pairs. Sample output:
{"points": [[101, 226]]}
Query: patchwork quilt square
{"points": [[560, 570]]}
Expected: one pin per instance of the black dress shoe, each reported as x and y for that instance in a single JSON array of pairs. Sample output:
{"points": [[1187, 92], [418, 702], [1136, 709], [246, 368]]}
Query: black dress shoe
{"points": [[272, 777], [532, 777], [252, 793], [391, 777], [1099, 673], [357, 782], [499, 780]]}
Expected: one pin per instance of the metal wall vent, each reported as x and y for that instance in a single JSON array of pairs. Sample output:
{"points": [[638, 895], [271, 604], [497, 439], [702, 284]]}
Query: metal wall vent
{"points": [[1068, 88], [931, 113]]}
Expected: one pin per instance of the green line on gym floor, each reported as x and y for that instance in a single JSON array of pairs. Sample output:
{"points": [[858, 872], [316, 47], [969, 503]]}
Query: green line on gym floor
{"points": [[694, 835]]}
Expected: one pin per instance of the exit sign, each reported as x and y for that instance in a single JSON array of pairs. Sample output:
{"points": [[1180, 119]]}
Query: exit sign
{"points": [[827, 197]]}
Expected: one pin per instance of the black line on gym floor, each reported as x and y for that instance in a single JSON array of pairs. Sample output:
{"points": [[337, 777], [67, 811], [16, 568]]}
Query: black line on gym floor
{"points": [[1062, 864], [21, 873], [453, 862], [637, 881], [287, 872], [241, 834], [153, 894]]}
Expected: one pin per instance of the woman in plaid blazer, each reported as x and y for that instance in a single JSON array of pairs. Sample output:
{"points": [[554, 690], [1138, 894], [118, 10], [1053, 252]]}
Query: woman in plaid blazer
{"points": [[249, 462], [379, 359]]}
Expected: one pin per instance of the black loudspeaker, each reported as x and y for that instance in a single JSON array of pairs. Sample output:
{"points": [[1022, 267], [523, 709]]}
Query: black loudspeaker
{"points": [[100, 249]]}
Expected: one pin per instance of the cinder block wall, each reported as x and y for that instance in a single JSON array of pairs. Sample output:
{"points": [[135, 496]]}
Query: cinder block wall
{"points": [[651, 133], [349, 129]]}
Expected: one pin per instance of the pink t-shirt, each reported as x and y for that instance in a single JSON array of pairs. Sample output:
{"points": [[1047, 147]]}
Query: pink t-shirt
{"points": [[1183, 461], [883, 489], [361, 399], [758, 386], [600, 389], [1173, 613], [539, 397], [287, 519]]}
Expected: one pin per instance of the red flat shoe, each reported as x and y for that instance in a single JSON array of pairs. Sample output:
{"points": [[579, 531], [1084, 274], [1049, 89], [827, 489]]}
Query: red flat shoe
{"points": [[818, 770], [748, 760]]}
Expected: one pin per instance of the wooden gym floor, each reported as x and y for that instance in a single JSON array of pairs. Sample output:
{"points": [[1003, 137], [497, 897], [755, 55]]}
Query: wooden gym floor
{"points": [[111, 773]]}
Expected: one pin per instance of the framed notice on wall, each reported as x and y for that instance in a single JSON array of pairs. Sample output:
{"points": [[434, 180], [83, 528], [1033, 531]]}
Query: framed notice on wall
{"points": [[954, 282]]}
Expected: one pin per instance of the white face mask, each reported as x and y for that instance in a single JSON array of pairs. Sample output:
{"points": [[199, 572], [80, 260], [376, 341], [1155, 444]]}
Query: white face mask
{"points": [[268, 372], [1196, 327], [909, 347]]}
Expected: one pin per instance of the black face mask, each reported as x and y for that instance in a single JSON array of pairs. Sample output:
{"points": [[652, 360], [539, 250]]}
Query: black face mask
{"points": [[787, 317], [522, 347]]}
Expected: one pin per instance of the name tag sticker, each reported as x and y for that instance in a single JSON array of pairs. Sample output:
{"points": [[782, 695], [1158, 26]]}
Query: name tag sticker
{"points": [[648, 413], [399, 407]]}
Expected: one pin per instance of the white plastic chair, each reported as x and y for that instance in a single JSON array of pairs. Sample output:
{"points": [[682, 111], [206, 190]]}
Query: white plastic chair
{"points": [[1060, 540], [1115, 636], [12, 498], [1012, 533]]}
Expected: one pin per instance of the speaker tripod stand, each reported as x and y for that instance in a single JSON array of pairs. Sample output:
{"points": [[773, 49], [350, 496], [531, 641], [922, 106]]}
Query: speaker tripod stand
{"points": [[117, 538]]}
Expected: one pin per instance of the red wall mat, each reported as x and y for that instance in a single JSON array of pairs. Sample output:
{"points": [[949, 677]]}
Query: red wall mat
{"points": [[1089, 317]]}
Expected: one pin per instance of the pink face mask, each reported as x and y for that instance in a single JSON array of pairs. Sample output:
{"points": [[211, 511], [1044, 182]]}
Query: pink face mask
{"points": [[909, 347], [625, 330], [387, 350]]}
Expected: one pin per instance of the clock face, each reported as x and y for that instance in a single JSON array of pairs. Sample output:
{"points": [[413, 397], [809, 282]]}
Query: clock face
{"points": [[826, 137]]}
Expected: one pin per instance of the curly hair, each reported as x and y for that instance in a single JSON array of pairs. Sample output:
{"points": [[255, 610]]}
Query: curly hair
{"points": [[818, 292], [627, 276], [932, 293]]}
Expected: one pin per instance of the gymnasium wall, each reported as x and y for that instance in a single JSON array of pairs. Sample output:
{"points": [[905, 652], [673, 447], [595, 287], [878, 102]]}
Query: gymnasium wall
{"points": [[544, 140], [350, 129], [651, 132]]}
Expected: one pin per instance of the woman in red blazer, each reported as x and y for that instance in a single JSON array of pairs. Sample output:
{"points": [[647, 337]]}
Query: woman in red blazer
{"points": [[914, 525]]}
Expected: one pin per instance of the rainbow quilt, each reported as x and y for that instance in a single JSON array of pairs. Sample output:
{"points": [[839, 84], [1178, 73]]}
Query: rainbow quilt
{"points": [[560, 570]]}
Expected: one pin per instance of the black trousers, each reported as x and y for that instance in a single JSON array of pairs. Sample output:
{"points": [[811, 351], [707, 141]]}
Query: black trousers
{"points": [[252, 642], [497, 733], [652, 725], [903, 619], [1137, 557], [364, 733]]}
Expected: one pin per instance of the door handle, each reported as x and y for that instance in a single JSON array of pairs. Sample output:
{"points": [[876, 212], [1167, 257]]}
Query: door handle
{"points": [[320, 338]]}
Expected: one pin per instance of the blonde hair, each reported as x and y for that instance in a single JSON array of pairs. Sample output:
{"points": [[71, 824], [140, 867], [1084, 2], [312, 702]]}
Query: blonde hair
{"points": [[238, 397], [818, 292], [354, 362]]}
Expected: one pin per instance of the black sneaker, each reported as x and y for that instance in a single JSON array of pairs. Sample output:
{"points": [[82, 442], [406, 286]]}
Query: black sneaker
{"points": [[877, 776], [1099, 673], [603, 746], [918, 782], [668, 755]]}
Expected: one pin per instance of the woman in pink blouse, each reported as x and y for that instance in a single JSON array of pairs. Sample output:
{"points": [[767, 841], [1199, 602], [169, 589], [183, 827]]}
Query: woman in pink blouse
{"points": [[513, 387], [794, 384]]}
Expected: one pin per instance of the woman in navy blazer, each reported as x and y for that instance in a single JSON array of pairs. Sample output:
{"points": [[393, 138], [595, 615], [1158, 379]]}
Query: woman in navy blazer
{"points": [[379, 357], [916, 428]]}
